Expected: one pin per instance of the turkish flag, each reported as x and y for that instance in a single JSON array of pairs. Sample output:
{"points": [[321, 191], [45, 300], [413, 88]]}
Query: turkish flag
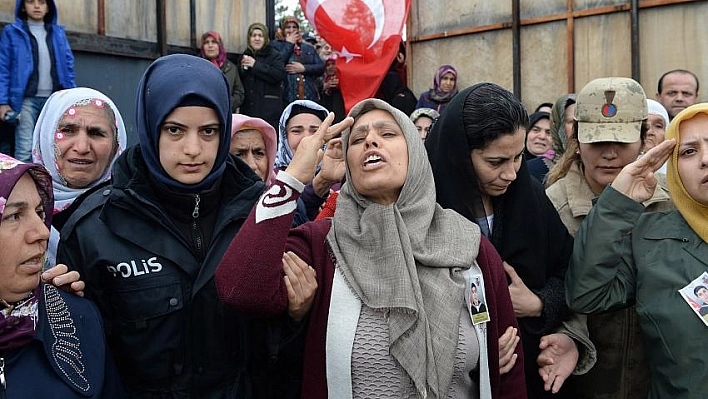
{"points": [[366, 34]]}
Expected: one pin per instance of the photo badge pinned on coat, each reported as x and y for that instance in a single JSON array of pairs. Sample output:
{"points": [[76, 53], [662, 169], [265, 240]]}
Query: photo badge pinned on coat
{"points": [[696, 296], [474, 297]]}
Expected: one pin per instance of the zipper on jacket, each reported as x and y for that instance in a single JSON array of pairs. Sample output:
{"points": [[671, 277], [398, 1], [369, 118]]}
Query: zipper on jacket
{"points": [[195, 228], [195, 212], [3, 381]]}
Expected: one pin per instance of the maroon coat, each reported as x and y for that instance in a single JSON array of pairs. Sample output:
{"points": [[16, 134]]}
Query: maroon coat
{"points": [[262, 292]]}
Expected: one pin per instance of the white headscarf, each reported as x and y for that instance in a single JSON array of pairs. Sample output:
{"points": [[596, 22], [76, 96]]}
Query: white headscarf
{"points": [[656, 108], [44, 141], [44, 148], [285, 153]]}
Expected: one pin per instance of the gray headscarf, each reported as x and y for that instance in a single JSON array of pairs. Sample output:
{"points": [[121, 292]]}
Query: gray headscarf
{"points": [[558, 133], [404, 258]]}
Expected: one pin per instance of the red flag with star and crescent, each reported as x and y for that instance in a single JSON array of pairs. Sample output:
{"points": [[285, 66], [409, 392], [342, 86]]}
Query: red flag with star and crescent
{"points": [[366, 35]]}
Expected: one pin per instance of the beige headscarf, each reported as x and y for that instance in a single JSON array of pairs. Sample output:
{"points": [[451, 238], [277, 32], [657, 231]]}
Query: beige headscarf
{"points": [[558, 133], [695, 213], [404, 258]]}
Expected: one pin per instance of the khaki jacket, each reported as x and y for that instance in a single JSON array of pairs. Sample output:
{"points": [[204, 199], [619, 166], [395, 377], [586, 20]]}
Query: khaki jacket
{"points": [[621, 370]]}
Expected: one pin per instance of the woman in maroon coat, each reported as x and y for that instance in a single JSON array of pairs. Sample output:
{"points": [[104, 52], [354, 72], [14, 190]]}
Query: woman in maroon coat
{"points": [[390, 315]]}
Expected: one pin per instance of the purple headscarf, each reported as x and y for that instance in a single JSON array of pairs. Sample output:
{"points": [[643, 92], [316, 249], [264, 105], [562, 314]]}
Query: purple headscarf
{"points": [[18, 321], [436, 93]]}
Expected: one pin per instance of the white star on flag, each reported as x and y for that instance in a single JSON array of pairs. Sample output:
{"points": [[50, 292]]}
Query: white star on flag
{"points": [[346, 54]]}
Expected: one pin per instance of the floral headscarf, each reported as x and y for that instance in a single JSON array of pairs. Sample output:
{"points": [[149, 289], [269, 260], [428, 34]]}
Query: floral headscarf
{"points": [[45, 150], [558, 133], [45, 137]]}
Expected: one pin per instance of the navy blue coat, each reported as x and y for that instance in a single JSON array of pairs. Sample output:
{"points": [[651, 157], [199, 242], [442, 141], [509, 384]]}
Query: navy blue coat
{"points": [[50, 366], [314, 68]]}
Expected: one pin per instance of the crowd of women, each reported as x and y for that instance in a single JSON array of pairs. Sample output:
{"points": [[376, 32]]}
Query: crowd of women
{"points": [[272, 74], [386, 255]]}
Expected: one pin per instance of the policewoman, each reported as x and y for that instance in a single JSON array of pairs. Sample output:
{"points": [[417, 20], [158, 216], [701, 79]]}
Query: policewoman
{"points": [[147, 246]]}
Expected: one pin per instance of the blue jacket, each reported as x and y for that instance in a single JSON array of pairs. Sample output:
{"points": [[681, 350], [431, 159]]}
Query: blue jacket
{"points": [[50, 366], [17, 63], [314, 68]]}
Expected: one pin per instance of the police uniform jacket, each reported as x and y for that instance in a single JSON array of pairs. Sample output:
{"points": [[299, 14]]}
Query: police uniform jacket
{"points": [[165, 325]]}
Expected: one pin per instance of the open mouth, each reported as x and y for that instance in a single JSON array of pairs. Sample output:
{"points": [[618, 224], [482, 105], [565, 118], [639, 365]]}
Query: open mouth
{"points": [[372, 159], [81, 161]]}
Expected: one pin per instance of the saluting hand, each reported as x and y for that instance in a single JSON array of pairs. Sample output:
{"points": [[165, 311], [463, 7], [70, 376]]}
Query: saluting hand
{"points": [[637, 180], [309, 152]]}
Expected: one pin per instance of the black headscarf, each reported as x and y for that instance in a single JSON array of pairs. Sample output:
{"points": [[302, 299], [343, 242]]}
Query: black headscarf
{"points": [[173, 81], [527, 233]]}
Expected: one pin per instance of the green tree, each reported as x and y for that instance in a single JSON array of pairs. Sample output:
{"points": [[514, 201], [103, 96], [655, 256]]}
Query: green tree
{"points": [[305, 25]]}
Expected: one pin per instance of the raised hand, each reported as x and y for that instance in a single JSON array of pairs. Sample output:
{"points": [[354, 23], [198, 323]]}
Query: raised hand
{"points": [[309, 152], [557, 360], [332, 169], [507, 344], [69, 281], [525, 302], [301, 282], [637, 180]]}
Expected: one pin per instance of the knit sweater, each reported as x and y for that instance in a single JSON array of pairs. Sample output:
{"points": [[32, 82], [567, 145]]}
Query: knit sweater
{"points": [[266, 235]]}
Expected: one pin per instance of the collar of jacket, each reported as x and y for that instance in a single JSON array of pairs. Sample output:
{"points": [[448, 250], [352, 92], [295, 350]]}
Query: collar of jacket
{"points": [[581, 198], [131, 189]]}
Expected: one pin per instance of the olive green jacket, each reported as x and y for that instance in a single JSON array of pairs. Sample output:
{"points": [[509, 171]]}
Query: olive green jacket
{"points": [[621, 370], [625, 256]]}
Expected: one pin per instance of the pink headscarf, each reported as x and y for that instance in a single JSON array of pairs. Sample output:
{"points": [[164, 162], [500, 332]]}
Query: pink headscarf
{"points": [[219, 61], [242, 122]]}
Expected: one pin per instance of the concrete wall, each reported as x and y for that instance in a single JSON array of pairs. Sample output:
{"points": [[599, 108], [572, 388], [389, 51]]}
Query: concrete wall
{"points": [[118, 76], [136, 19], [670, 36]]}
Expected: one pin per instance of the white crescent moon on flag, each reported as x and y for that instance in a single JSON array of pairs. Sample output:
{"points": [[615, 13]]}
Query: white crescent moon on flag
{"points": [[377, 8]]}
